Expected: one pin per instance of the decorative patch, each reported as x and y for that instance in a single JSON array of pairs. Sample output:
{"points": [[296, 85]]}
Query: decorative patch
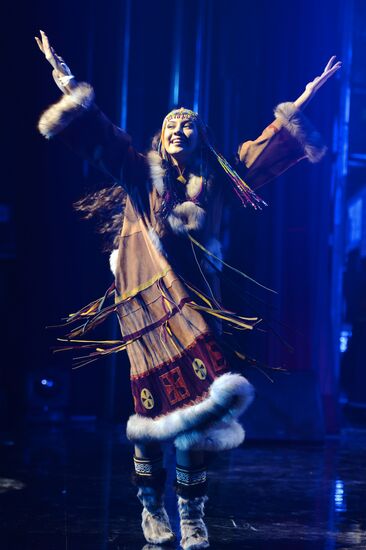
{"points": [[147, 399], [174, 385], [190, 477], [218, 362], [199, 368]]}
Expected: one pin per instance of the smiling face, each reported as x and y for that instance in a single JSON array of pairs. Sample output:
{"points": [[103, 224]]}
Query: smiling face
{"points": [[180, 138]]}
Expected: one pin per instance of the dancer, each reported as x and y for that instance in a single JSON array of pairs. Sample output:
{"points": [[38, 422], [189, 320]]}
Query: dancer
{"points": [[166, 208]]}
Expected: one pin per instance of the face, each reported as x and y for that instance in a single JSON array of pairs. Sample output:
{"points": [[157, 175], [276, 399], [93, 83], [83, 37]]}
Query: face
{"points": [[180, 138]]}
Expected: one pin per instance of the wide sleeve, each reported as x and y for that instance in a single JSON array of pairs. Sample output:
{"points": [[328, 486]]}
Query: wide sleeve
{"points": [[288, 139], [76, 120]]}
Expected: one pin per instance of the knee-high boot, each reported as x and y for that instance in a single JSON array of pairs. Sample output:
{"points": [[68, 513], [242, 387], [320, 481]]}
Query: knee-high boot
{"points": [[155, 521], [191, 487]]}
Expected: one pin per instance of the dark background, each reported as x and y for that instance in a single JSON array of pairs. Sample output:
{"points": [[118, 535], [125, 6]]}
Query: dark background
{"points": [[253, 55]]}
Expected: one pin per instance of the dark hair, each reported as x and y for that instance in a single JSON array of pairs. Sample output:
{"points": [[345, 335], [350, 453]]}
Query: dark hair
{"points": [[106, 206]]}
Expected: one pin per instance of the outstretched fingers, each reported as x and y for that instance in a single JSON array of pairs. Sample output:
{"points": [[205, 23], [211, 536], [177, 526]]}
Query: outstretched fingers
{"points": [[330, 63], [332, 67], [46, 49], [39, 43]]}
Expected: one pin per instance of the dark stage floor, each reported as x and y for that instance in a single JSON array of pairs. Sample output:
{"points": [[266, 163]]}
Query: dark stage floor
{"points": [[68, 488]]}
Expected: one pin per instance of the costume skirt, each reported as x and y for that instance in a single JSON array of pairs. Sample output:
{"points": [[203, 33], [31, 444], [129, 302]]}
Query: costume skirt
{"points": [[181, 384]]}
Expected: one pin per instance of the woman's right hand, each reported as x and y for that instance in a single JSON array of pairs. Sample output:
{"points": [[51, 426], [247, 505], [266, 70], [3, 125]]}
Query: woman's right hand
{"points": [[61, 73]]}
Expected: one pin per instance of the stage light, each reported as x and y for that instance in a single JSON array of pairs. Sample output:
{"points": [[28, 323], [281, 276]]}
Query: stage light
{"points": [[48, 394], [340, 505], [346, 334], [48, 383], [46, 387]]}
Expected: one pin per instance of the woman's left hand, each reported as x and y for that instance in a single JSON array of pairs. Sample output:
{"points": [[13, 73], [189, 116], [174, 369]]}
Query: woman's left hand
{"points": [[312, 87]]}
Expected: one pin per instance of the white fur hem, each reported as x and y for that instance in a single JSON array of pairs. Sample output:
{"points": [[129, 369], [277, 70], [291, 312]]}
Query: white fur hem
{"points": [[57, 117], [221, 436], [301, 128], [211, 424]]}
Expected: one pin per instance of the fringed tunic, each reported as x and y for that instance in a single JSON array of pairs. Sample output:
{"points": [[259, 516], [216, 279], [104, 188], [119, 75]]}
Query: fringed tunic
{"points": [[182, 386]]}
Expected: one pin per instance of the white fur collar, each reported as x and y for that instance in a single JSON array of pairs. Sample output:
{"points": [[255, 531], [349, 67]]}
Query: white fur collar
{"points": [[157, 172], [187, 216]]}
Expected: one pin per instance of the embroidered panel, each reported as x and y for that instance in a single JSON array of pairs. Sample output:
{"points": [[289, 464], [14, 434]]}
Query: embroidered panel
{"points": [[183, 381], [174, 385]]}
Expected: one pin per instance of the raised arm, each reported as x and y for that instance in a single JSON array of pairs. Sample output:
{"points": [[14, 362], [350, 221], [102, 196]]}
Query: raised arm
{"points": [[77, 121], [288, 139]]}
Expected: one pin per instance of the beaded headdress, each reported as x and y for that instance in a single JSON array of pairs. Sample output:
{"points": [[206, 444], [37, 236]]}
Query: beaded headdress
{"points": [[242, 189]]}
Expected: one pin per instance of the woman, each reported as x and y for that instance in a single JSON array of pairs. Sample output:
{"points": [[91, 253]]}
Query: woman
{"points": [[165, 293]]}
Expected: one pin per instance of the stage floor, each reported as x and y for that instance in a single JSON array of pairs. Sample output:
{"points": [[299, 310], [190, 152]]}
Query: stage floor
{"points": [[68, 488]]}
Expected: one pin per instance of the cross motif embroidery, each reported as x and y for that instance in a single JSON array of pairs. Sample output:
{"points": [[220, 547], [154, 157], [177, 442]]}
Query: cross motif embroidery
{"points": [[218, 362], [174, 385]]}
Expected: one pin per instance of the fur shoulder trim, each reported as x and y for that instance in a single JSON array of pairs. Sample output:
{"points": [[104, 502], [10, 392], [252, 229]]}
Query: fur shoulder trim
{"points": [[229, 396], [194, 187], [186, 216], [301, 129], [59, 115]]}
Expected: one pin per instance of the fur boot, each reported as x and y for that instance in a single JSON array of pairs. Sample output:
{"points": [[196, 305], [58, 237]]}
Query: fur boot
{"points": [[155, 521], [193, 530]]}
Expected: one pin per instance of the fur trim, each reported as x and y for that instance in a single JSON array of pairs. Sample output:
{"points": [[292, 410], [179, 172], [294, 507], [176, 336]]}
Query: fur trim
{"points": [[229, 396], [185, 217], [191, 491], [57, 117], [194, 186], [156, 481], [219, 437], [301, 128], [113, 261], [155, 521], [192, 509], [194, 534]]}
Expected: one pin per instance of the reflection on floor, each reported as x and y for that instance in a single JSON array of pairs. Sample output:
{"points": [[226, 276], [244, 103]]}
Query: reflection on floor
{"points": [[68, 488]]}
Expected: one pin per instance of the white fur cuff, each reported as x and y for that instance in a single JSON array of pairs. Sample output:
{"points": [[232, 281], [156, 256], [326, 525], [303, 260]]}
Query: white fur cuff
{"points": [[301, 128], [57, 117]]}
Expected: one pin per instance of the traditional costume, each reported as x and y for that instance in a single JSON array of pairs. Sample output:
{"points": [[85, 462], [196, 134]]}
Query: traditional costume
{"points": [[165, 293]]}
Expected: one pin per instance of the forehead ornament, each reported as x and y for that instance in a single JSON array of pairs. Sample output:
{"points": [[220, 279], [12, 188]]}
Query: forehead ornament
{"points": [[182, 113]]}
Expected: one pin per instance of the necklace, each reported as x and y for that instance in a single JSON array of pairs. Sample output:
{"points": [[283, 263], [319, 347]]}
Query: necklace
{"points": [[181, 178]]}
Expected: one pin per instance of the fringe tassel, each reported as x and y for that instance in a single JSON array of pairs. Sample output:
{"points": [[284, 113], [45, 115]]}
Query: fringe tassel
{"points": [[242, 189], [236, 321], [241, 273]]}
